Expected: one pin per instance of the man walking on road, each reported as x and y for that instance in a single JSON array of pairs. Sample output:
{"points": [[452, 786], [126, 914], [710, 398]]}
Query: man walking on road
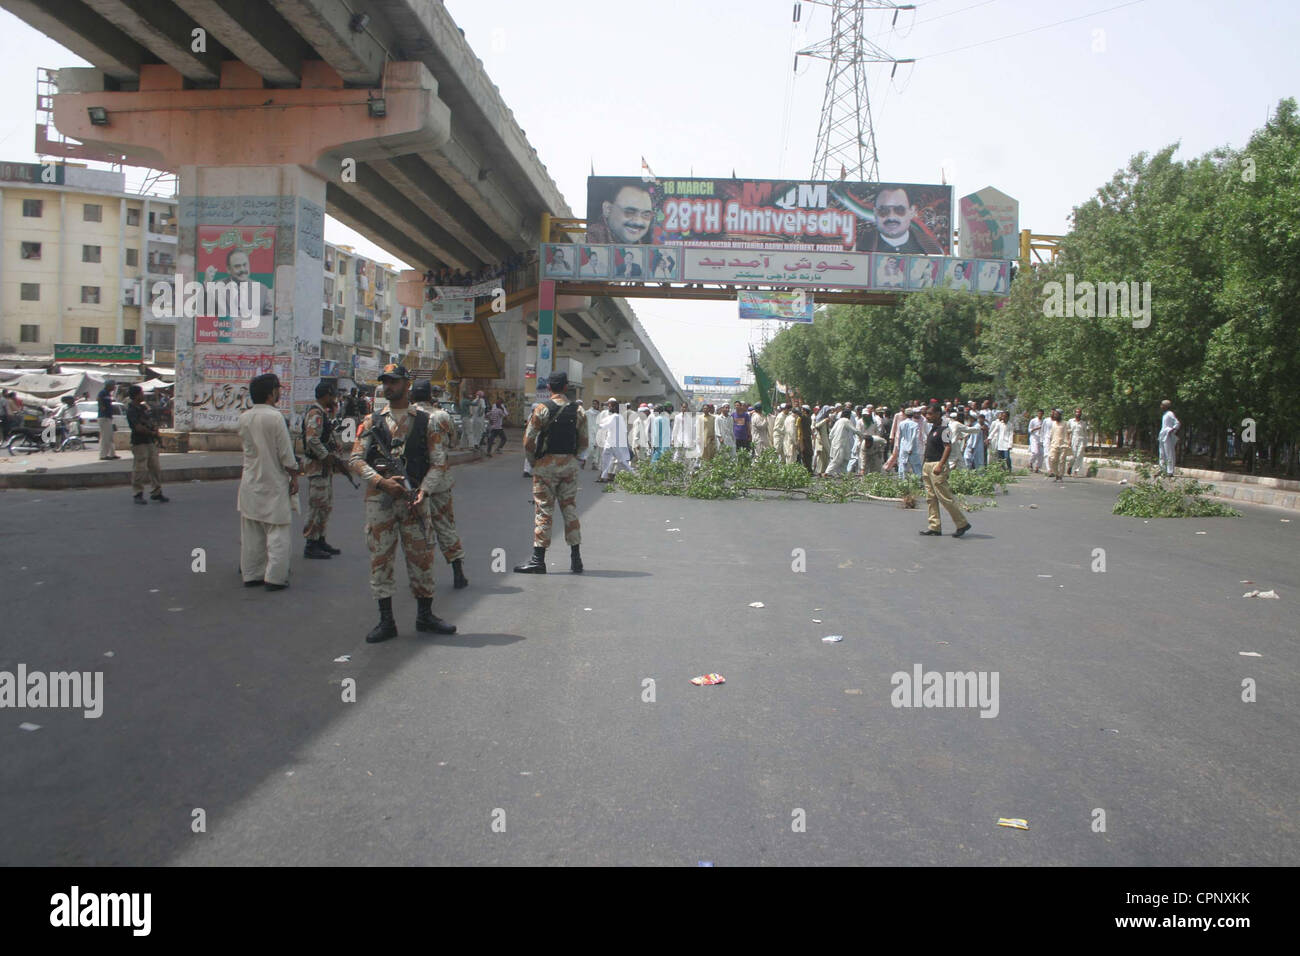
{"points": [[144, 448], [320, 447], [106, 450], [1058, 446], [1078, 431], [555, 437], [612, 438], [393, 447], [934, 475], [270, 477], [496, 420]]}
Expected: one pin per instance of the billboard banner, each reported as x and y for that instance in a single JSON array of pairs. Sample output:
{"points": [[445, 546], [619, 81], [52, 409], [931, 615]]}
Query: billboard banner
{"points": [[449, 311], [788, 214], [990, 225], [884, 272], [711, 380], [101, 354], [238, 253], [778, 306]]}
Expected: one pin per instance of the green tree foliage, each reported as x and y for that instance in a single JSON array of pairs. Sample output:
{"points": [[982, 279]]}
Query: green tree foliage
{"points": [[1218, 239]]}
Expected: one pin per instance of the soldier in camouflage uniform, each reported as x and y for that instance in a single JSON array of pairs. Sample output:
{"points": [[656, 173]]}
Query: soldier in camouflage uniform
{"points": [[391, 517], [321, 449], [555, 439], [424, 394]]}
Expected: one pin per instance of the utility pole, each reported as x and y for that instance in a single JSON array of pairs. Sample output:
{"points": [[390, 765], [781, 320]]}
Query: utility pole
{"points": [[846, 141]]}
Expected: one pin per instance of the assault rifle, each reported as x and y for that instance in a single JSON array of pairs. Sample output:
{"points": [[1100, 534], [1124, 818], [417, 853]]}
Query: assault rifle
{"points": [[389, 466]]}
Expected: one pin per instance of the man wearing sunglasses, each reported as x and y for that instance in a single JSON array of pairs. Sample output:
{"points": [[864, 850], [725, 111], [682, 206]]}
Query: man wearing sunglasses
{"points": [[895, 229]]}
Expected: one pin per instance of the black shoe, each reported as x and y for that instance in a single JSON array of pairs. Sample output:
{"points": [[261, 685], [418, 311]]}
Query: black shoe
{"points": [[527, 475], [961, 531], [252, 584], [425, 621], [314, 550], [139, 498], [325, 545], [535, 565], [159, 497], [387, 627], [276, 587], [930, 534], [575, 560], [458, 573]]}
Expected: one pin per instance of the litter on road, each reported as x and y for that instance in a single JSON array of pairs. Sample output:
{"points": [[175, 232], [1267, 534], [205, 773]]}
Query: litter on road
{"points": [[757, 604], [343, 660], [1249, 654], [26, 726], [832, 638], [1269, 595], [1013, 822], [708, 680]]}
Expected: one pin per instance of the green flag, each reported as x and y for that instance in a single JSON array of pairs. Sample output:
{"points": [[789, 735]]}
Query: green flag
{"points": [[765, 388]]}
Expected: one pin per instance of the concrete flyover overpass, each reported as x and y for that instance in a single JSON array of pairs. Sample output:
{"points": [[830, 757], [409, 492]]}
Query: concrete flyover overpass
{"points": [[273, 112]]}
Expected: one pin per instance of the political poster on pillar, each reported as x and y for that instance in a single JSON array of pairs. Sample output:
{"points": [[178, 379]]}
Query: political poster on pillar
{"points": [[246, 256], [771, 214]]}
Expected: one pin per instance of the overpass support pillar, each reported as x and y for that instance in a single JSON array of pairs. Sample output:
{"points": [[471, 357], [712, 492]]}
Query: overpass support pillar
{"points": [[253, 165]]}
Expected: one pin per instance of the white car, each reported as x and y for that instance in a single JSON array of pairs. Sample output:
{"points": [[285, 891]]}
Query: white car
{"points": [[88, 415]]}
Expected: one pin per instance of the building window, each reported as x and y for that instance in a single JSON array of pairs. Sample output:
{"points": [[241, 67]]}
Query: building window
{"points": [[33, 208], [29, 333], [128, 336], [89, 335], [31, 250], [90, 294], [30, 292], [91, 253], [133, 257], [132, 216], [92, 212]]}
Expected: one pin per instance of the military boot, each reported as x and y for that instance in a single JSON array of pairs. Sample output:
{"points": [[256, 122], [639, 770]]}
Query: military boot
{"points": [[387, 627], [313, 549], [536, 565], [425, 621], [458, 570], [326, 546], [575, 560]]}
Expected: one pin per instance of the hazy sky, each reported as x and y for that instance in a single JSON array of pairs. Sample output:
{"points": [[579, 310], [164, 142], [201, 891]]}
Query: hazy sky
{"points": [[707, 85]]}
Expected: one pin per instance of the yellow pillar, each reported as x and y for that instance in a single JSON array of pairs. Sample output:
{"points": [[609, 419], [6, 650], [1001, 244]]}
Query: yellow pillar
{"points": [[546, 227], [1024, 248]]}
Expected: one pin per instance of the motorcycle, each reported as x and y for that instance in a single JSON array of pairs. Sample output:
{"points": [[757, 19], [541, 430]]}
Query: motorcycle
{"points": [[30, 436]]}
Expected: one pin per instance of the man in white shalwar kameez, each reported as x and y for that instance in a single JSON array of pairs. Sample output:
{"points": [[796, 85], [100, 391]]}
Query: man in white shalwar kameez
{"points": [[1077, 429], [758, 430], [1168, 437], [842, 434], [612, 431], [1037, 446]]}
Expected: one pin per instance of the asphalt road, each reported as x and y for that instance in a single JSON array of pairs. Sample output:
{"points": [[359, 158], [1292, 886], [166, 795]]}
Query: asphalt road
{"points": [[229, 699]]}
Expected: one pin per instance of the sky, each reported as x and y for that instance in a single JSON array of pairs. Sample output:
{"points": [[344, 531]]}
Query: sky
{"points": [[1003, 93]]}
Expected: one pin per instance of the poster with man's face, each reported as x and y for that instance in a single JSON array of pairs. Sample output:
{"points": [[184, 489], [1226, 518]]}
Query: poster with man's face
{"points": [[557, 261], [242, 313], [890, 272], [593, 261], [790, 215]]}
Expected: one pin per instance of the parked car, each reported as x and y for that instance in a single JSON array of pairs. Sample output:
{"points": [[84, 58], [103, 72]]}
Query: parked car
{"points": [[88, 414]]}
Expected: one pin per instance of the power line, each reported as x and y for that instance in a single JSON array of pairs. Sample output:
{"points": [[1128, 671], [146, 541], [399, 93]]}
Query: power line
{"points": [[1046, 26]]}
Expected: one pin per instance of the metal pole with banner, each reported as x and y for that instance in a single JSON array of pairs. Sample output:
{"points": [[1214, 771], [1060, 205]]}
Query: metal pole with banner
{"points": [[545, 334]]}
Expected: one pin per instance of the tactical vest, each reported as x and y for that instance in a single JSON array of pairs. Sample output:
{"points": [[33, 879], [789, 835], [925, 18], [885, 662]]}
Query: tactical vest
{"points": [[413, 454], [326, 433], [560, 437]]}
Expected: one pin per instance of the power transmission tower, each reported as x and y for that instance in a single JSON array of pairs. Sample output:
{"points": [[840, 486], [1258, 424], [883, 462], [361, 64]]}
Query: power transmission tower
{"points": [[846, 141]]}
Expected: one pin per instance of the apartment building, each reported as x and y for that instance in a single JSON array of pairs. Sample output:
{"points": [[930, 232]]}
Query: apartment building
{"points": [[77, 256]]}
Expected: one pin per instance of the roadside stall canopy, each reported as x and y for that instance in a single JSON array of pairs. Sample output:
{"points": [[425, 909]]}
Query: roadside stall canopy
{"points": [[155, 383], [43, 389]]}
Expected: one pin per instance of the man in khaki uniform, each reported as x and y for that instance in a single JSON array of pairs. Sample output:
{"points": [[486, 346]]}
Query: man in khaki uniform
{"points": [[321, 456], [412, 443], [556, 438], [424, 395], [934, 476]]}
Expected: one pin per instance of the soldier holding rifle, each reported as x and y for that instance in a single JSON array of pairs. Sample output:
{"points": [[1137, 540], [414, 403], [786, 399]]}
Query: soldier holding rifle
{"points": [[392, 454]]}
